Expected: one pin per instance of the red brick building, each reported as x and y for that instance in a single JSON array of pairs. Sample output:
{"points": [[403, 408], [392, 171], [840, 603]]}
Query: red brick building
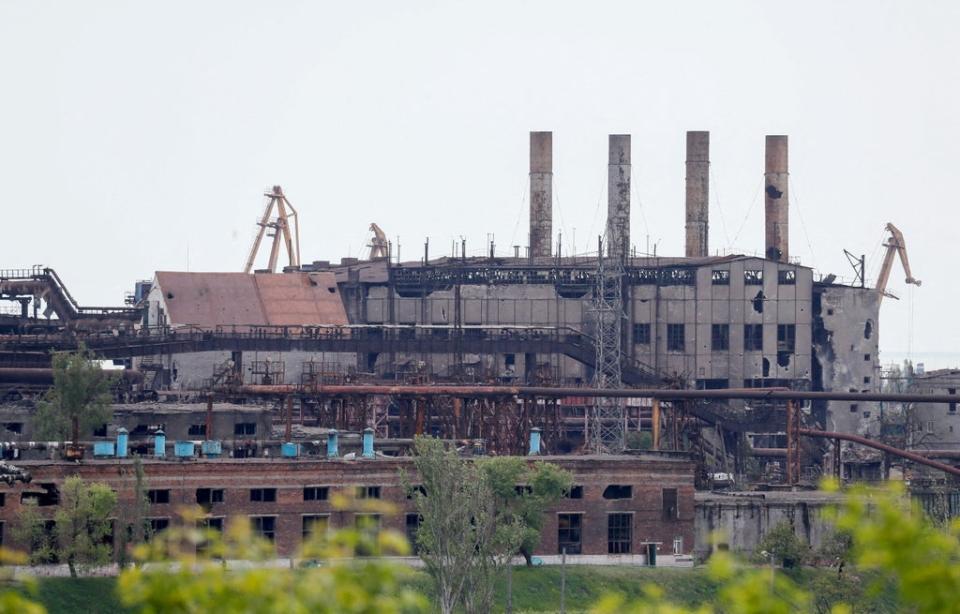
{"points": [[619, 505]]}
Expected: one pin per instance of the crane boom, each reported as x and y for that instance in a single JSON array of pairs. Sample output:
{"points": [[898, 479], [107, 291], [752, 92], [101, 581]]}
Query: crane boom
{"points": [[895, 246]]}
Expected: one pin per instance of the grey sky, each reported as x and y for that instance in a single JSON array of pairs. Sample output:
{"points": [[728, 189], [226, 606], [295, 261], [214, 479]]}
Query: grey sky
{"points": [[131, 134]]}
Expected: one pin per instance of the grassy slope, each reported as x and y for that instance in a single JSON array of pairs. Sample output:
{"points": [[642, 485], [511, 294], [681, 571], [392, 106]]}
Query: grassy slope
{"points": [[534, 590]]}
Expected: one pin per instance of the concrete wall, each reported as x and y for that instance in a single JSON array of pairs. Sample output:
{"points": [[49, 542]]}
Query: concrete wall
{"points": [[847, 347], [741, 520], [934, 426]]}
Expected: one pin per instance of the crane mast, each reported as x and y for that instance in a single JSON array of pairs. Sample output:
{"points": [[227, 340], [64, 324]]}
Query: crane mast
{"points": [[281, 227]]}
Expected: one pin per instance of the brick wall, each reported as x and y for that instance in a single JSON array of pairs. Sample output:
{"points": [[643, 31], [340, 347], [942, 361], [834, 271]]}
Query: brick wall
{"points": [[646, 476]]}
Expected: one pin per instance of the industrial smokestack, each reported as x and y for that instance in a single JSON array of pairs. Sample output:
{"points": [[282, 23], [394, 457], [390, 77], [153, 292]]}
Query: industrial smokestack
{"points": [[776, 199], [618, 196], [541, 193], [698, 194]]}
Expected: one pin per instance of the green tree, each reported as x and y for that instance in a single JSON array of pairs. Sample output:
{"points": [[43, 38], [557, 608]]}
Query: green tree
{"points": [[79, 399], [781, 542], [523, 492], [84, 525], [32, 530], [461, 543]]}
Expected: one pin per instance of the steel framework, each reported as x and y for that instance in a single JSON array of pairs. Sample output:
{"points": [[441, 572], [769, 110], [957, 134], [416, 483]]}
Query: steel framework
{"points": [[607, 416]]}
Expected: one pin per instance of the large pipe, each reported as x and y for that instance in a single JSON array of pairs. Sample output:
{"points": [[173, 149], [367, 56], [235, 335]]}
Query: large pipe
{"points": [[776, 200], [698, 194], [618, 196], [455, 390], [541, 194], [911, 456]]}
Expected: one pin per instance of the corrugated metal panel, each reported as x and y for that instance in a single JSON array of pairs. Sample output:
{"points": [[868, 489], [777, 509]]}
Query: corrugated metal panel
{"points": [[239, 299], [292, 299], [211, 299]]}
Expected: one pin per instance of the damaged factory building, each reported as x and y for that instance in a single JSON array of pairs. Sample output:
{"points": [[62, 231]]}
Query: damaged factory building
{"points": [[492, 352], [696, 321]]}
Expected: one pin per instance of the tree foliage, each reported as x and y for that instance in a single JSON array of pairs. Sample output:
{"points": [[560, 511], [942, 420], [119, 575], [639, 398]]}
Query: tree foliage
{"points": [[83, 524], [335, 581], [462, 541], [79, 399], [79, 532], [523, 492], [781, 542]]}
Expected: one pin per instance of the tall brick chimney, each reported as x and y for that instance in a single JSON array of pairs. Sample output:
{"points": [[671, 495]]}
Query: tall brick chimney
{"points": [[698, 194], [776, 200], [541, 194], [618, 196]]}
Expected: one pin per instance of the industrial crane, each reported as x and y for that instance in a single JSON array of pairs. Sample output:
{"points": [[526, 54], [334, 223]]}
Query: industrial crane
{"points": [[281, 227], [896, 245], [378, 244]]}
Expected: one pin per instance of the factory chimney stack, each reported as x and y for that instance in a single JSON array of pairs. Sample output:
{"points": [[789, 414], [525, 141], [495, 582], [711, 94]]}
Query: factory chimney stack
{"points": [[776, 200], [541, 194]]}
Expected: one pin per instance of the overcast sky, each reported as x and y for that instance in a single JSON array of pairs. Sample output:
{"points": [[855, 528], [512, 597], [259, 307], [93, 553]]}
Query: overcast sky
{"points": [[136, 138]]}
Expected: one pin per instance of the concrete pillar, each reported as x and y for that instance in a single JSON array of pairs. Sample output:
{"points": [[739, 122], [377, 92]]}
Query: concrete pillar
{"points": [[698, 194], [618, 196], [541, 193], [776, 200]]}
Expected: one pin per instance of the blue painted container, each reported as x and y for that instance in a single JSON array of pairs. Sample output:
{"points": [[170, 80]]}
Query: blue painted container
{"points": [[211, 449], [534, 442], [368, 443], [122, 442], [333, 440], [183, 449], [102, 448], [289, 450], [159, 444]]}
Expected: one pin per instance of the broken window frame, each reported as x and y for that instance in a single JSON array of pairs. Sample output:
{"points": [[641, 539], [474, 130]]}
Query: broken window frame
{"points": [[209, 496], [264, 526], [263, 495], [158, 496], [615, 492], [720, 337], [309, 521], [753, 337], [787, 277], [411, 529], [641, 333], [670, 503], [787, 338], [753, 277], [720, 277], [570, 532], [676, 338], [619, 533], [244, 429], [316, 493], [368, 492]]}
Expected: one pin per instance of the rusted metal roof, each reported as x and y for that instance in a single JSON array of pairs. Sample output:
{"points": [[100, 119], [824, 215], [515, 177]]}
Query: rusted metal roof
{"points": [[239, 299]]}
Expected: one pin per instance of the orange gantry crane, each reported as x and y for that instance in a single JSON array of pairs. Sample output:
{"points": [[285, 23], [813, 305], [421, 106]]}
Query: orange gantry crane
{"points": [[895, 246], [281, 226]]}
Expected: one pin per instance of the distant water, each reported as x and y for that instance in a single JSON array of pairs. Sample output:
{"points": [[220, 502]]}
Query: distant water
{"points": [[930, 360]]}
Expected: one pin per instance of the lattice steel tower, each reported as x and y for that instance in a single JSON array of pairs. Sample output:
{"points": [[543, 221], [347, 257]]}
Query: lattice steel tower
{"points": [[607, 416]]}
